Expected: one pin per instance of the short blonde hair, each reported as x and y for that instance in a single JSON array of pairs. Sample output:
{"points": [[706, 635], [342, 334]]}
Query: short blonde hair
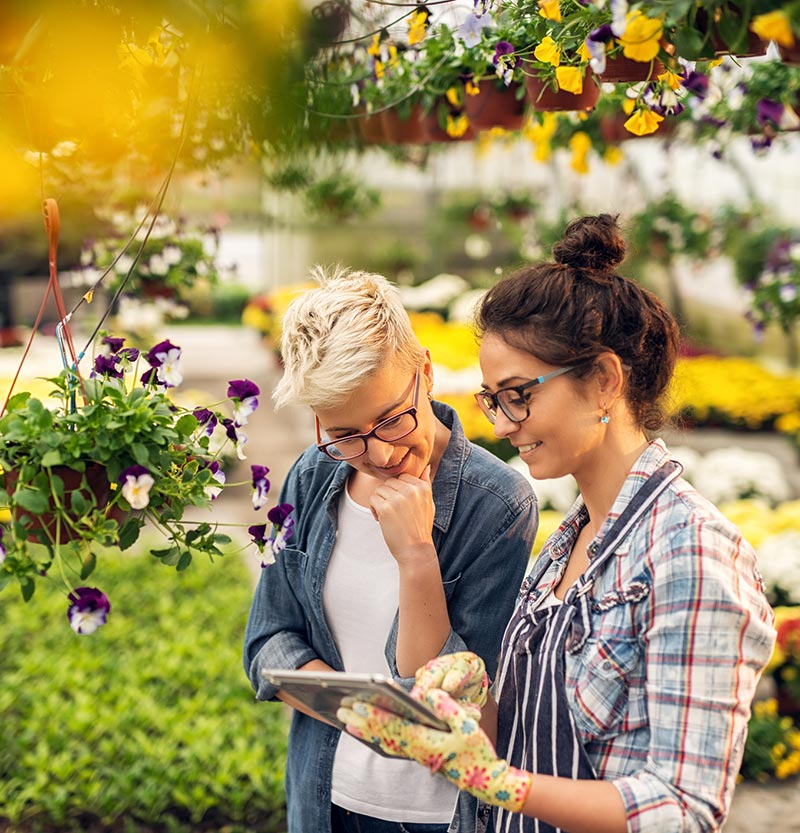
{"points": [[336, 335]]}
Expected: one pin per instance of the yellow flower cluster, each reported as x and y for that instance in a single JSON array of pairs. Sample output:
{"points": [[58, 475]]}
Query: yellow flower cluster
{"points": [[452, 344], [733, 392], [785, 753], [758, 521]]}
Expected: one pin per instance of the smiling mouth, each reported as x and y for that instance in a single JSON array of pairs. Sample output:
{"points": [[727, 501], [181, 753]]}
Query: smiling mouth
{"points": [[394, 465], [525, 448]]}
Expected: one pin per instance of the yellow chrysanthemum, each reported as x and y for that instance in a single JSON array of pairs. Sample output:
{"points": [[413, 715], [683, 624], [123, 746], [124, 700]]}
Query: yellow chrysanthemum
{"points": [[570, 79], [548, 52], [774, 26], [550, 9], [641, 40], [643, 122], [580, 144], [417, 27], [457, 125]]}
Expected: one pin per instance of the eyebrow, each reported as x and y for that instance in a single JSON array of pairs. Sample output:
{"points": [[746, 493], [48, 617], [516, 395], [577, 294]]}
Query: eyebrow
{"points": [[384, 415], [508, 383]]}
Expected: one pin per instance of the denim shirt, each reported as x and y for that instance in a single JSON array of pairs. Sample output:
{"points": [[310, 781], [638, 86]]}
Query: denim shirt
{"points": [[485, 522]]}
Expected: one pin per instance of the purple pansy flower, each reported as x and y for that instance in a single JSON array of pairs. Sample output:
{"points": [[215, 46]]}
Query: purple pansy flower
{"points": [[207, 420], [218, 475], [88, 610], [505, 61], [696, 83], [111, 344], [106, 366], [2, 548], [244, 394], [136, 482], [282, 525], [164, 358], [768, 110], [236, 436], [260, 486], [596, 44]]}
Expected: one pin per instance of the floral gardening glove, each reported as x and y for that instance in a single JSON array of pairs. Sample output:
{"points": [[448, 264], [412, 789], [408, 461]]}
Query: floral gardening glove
{"points": [[461, 675], [464, 755]]}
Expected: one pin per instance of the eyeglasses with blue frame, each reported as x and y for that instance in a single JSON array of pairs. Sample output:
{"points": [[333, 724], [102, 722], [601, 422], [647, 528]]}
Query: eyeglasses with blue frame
{"points": [[514, 401]]}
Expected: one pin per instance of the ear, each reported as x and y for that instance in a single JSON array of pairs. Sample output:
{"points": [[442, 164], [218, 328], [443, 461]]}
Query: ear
{"points": [[427, 372], [610, 377]]}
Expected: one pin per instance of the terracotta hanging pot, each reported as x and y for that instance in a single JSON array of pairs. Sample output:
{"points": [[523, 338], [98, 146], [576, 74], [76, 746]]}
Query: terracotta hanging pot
{"points": [[495, 106], [790, 54], [96, 488], [371, 129], [622, 70], [398, 130], [542, 97]]}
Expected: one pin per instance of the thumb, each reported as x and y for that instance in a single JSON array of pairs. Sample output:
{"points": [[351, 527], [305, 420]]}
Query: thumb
{"points": [[426, 474]]}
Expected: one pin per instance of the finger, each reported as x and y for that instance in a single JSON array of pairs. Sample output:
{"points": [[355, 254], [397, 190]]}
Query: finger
{"points": [[426, 474]]}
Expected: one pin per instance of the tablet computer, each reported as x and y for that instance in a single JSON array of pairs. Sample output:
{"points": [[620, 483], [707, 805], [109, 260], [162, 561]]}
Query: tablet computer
{"points": [[324, 691]]}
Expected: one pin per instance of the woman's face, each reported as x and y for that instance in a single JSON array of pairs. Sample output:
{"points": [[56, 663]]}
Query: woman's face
{"points": [[561, 432], [387, 392]]}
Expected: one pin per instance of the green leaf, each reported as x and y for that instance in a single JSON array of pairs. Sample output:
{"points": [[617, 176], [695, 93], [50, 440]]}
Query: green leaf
{"points": [[139, 452], [184, 561], [52, 458], [129, 533], [89, 563], [80, 505], [168, 556], [32, 500], [688, 43], [27, 587]]}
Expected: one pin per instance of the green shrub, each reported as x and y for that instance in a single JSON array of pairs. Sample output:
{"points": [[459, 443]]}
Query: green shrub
{"points": [[147, 724]]}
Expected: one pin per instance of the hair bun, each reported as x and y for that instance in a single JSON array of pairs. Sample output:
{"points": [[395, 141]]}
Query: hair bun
{"points": [[591, 243]]}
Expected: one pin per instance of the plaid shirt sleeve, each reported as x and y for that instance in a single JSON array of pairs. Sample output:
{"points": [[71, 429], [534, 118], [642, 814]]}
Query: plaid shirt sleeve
{"points": [[708, 636]]}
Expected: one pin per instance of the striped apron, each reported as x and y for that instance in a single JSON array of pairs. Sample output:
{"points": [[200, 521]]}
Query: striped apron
{"points": [[535, 727]]}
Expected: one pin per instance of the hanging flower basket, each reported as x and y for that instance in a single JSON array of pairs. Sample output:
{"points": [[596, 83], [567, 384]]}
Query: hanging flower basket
{"points": [[790, 54], [495, 106], [461, 129], [371, 128], [542, 97], [400, 130]]}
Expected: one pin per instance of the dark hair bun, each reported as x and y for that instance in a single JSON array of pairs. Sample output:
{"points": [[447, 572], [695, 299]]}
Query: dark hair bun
{"points": [[591, 243]]}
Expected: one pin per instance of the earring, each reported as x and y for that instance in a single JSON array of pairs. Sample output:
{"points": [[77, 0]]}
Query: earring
{"points": [[605, 419], [430, 397]]}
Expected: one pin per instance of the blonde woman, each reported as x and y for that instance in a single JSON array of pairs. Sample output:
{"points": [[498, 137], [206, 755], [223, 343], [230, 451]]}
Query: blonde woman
{"points": [[409, 542]]}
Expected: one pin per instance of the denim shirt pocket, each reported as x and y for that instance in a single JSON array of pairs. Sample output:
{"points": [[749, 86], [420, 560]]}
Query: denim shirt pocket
{"points": [[450, 586], [609, 696]]}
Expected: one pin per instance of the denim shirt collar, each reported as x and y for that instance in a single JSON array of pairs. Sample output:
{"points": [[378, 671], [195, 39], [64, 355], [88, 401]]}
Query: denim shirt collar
{"points": [[445, 482]]}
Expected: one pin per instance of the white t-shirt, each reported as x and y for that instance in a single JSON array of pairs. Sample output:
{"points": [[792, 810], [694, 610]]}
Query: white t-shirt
{"points": [[360, 599]]}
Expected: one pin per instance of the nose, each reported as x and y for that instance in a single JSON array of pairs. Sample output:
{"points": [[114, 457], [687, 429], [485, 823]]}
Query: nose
{"points": [[379, 452], [503, 426]]}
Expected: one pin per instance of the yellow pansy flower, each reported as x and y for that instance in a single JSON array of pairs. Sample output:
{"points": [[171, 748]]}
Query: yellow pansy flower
{"points": [[379, 69], [457, 125], [471, 88], [643, 122], [548, 52], [550, 9], [773, 26], [583, 52], [453, 96], [672, 79], [374, 48], [613, 155], [641, 40], [580, 144], [570, 79], [417, 27], [537, 131], [628, 105]]}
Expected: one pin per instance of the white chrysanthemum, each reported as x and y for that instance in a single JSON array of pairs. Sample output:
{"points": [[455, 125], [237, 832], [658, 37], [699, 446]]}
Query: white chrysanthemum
{"points": [[732, 473], [779, 563], [557, 493]]}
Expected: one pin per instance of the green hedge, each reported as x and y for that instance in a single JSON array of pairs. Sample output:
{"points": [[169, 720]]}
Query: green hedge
{"points": [[146, 725]]}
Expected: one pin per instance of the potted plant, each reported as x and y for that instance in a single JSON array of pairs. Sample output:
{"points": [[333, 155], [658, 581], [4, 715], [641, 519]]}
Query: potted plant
{"points": [[105, 456]]}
